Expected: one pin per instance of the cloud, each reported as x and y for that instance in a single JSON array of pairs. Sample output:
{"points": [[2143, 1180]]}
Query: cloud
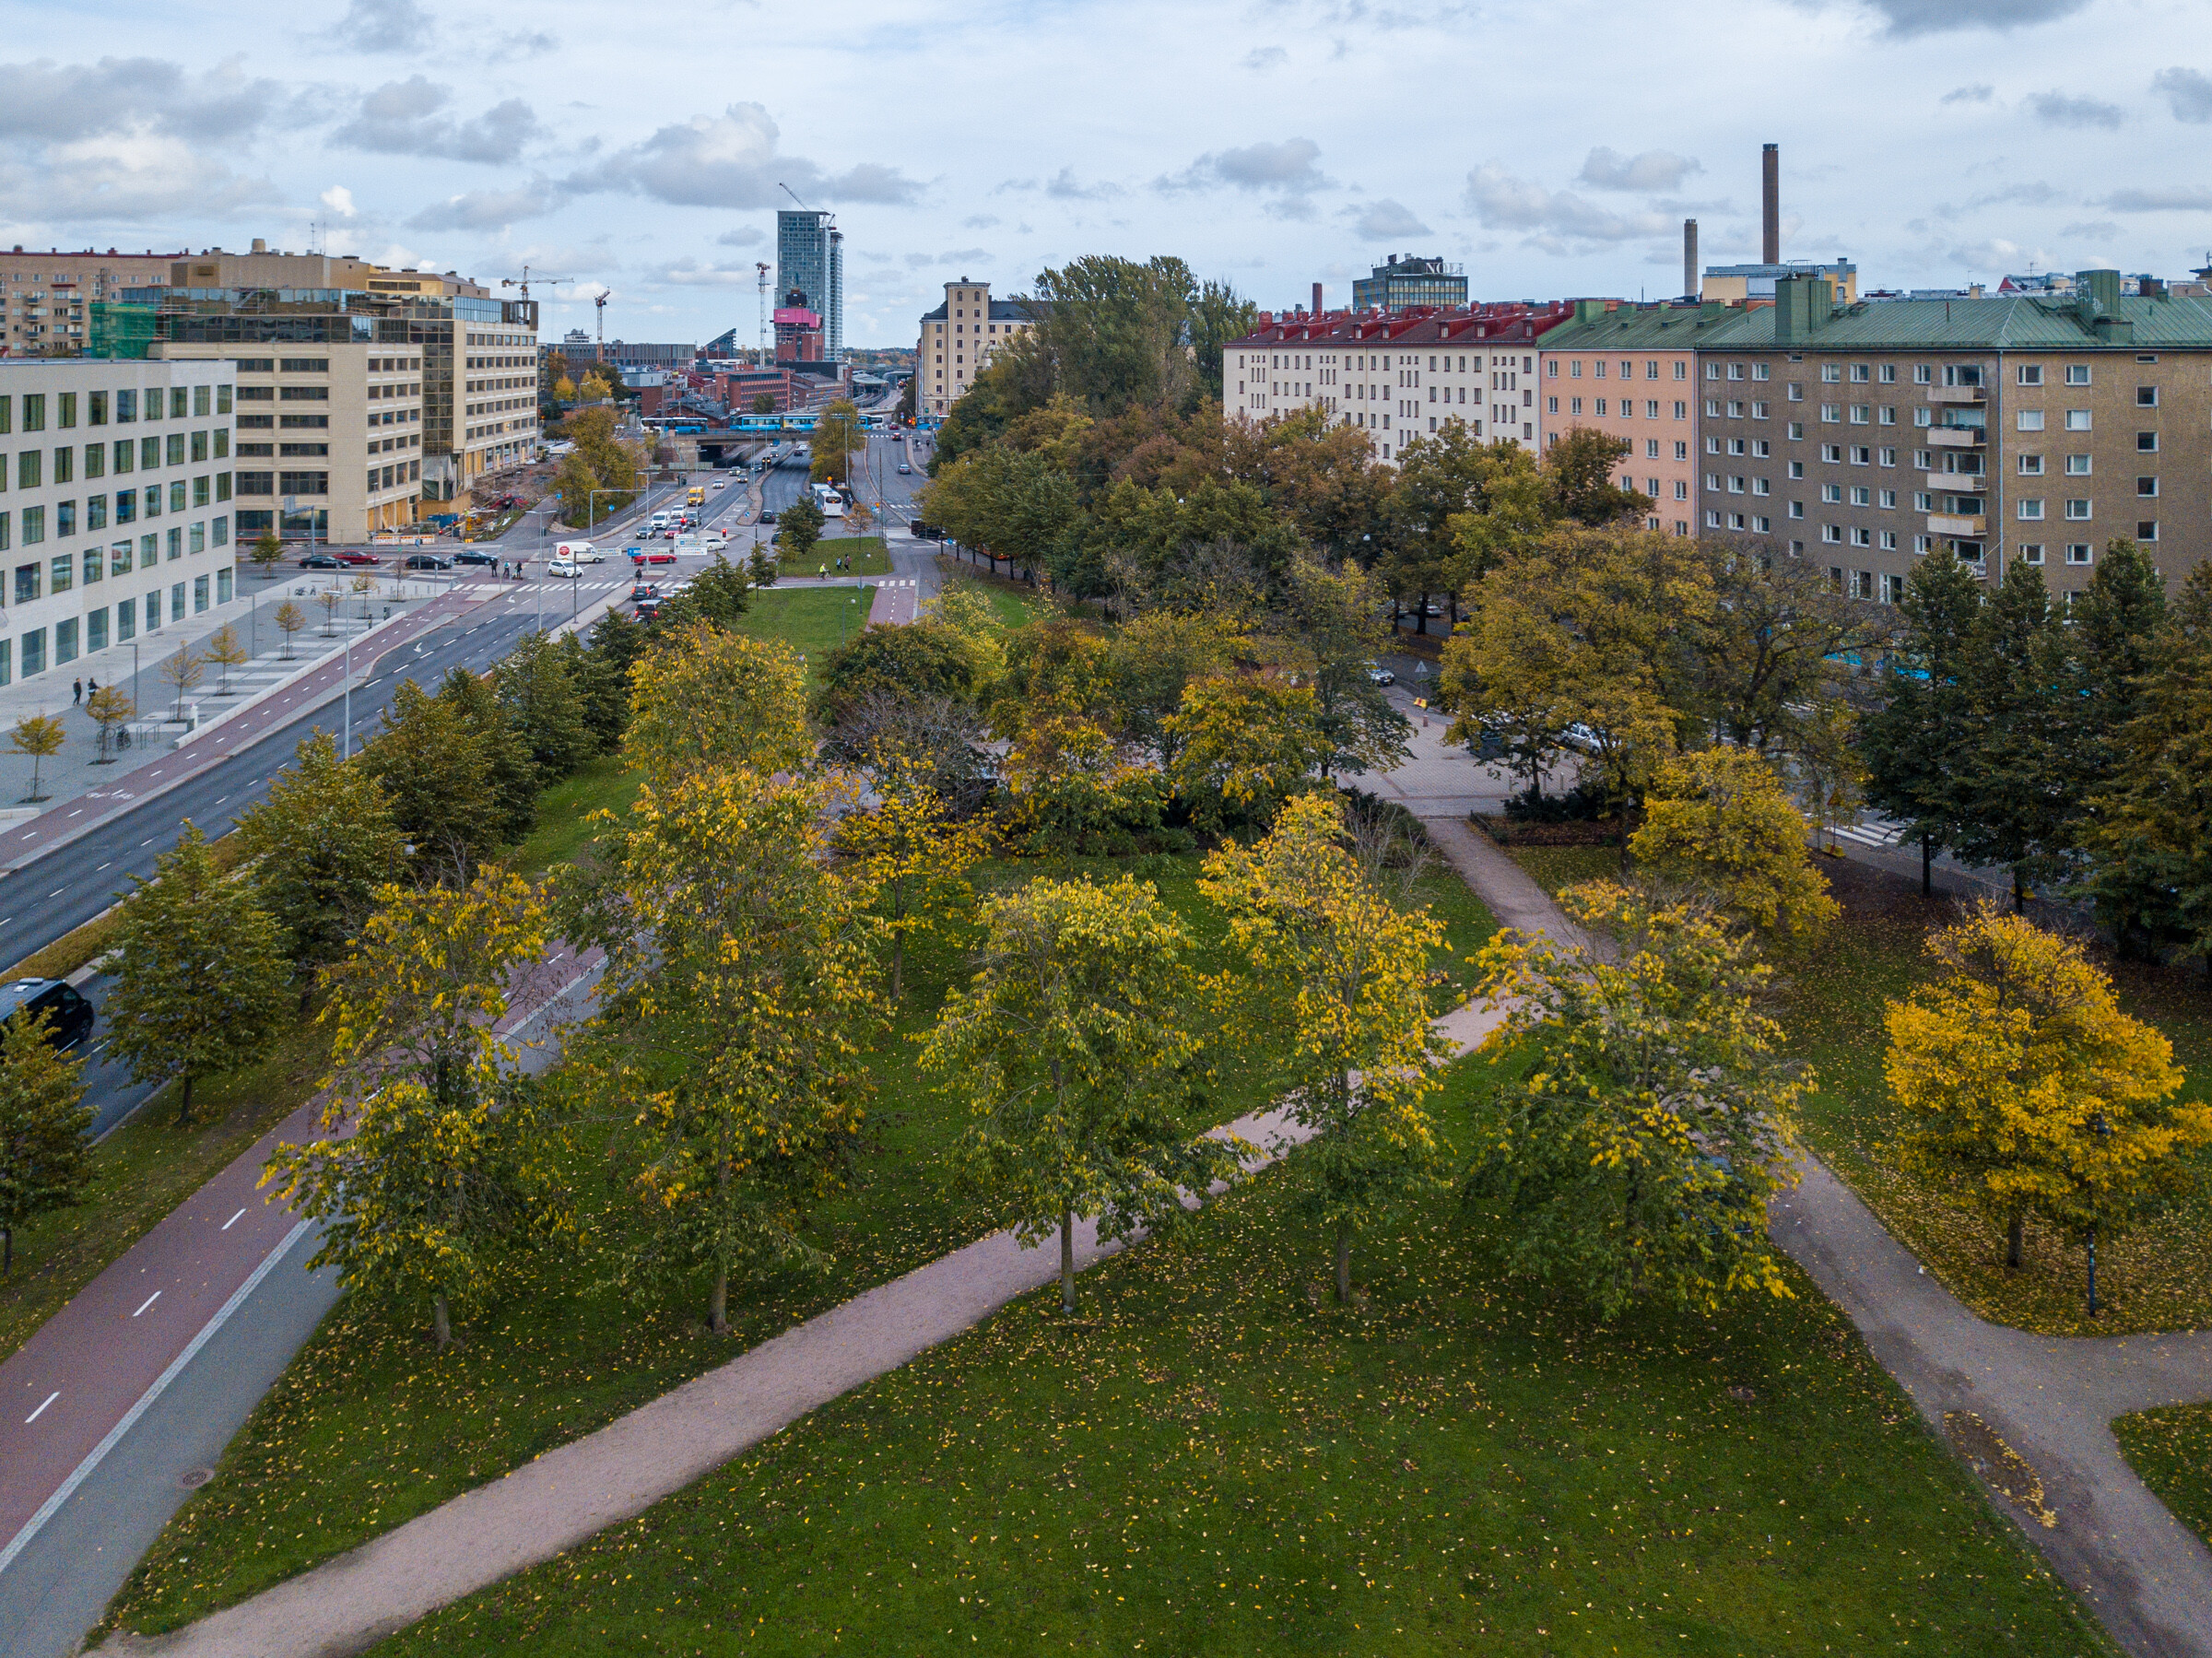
{"points": [[689, 272], [1068, 188], [2178, 199], [1654, 170], [521, 44], [1554, 219], [125, 179], [1974, 94], [746, 236], [2098, 230], [384, 26], [1379, 220], [730, 160], [978, 221], [2187, 92], [1287, 167], [1905, 18], [1266, 57], [962, 256], [2059, 109], [57, 102], [493, 209], [339, 200], [408, 118]]}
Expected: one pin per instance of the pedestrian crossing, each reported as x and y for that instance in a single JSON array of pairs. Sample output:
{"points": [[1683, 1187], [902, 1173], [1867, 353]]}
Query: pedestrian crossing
{"points": [[1873, 832]]}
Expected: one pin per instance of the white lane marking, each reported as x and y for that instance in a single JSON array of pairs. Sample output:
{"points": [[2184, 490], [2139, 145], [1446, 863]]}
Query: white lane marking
{"points": [[42, 1410], [58, 892], [148, 1302], [232, 1221], [99, 1452], [103, 865]]}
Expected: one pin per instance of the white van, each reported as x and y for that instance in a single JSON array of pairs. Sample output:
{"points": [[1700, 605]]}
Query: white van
{"points": [[579, 552], [661, 521]]}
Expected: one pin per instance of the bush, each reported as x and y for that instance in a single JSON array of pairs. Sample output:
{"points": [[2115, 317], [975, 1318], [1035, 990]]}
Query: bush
{"points": [[1585, 803]]}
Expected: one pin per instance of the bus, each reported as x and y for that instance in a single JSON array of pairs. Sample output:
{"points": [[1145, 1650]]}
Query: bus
{"points": [[831, 503]]}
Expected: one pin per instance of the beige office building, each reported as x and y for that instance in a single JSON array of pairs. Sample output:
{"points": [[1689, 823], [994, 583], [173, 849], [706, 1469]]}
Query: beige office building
{"points": [[49, 295], [957, 339]]}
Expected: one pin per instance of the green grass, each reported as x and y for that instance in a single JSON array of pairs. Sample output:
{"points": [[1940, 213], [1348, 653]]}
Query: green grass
{"points": [[368, 1427], [2172, 1452], [146, 1169], [564, 810], [866, 552], [1212, 1460], [1014, 604], [1557, 867], [811, 619]]}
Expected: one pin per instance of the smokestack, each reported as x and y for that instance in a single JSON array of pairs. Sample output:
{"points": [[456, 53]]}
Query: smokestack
{"points": [[1690, 258], [1770, 242], [1317, 299]]}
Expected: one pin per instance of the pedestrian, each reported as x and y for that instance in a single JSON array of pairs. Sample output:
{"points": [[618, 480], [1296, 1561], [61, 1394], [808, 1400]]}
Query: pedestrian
{"points": [[92, 687], [76, 690]]}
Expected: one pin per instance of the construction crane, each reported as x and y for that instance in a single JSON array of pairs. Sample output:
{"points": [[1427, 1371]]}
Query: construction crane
{"points": [[525, 279], [599, 308]]}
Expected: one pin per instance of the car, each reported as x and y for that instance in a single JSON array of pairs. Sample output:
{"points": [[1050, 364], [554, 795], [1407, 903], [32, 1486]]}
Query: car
{"points": [[347, 555], [68, 1015], [1379, 674], [428, 561], [469, 554], [642, 557], [562, 567], [768, 516], [904, 470], [722, 483], [668, 534], [322, 561]]}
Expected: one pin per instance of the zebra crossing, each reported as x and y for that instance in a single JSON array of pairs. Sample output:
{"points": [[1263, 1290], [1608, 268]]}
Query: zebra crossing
{"points": [[1874, 832]]}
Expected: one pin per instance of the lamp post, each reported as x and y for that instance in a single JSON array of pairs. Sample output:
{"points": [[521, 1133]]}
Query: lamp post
{"points": [[2103, 1131]]}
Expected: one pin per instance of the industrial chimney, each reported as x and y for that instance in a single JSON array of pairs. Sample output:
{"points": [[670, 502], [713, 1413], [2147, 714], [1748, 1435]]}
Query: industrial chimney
{"points": [[1690, 259], [1769, 193], [1317, 299]]}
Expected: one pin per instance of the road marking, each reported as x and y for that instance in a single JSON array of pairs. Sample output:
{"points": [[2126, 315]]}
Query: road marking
{"points": [[58, 892], [42, 1410], [103, 865], [148, 1302], [232, 1221]]}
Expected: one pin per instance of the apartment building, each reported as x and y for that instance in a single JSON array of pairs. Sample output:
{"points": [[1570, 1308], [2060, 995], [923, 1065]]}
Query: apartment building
{"points": [[49, 297], [1630, 371], [1396, 375], [2035, 427], [958, 338], [115, 503]]}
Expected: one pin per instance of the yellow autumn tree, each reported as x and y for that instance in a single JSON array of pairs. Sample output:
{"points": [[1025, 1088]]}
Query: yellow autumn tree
{"points": [[2030, 1094], [1073, 788], [1345, 975], [1242, 746], [1719, 823], [711, 700], [913, 851]]}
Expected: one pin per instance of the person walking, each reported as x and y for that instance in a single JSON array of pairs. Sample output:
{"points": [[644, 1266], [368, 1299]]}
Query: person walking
{"points": [[92, 687], [76, 690]]}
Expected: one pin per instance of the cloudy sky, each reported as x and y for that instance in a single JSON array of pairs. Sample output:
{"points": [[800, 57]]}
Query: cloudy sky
{"points": [[1552, 147]]}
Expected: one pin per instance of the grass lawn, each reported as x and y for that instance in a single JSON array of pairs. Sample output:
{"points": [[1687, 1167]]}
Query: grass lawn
{"points": [[1212, 1460], [606, 784], [368, 1428], [865, 552], [2171, 1451], [2158, 1277], [1554, 867], [146, 1169], [812, 620]]}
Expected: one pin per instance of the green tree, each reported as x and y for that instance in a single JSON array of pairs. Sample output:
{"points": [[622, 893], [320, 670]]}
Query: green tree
{"points": [[1777, 656], [39, 735], [452, 1169], [1073, 1055], [764, 403], [508, 765], [907, 664], [2011, 790], [711, 700], [1917, 747], [434, 773], [1242, 748], [321, 845], [1331, 623], [1344, 973], [1016, 506], [573, 482], [1577, 477], [199, 973], [1117, 332], [1720, 823], [718, 596], [2113, 638], [535, 684], [267, 551], [1442, 475], [798, 528], [838, 437], [43, 1119], [1635, 1159], [603, 680]]}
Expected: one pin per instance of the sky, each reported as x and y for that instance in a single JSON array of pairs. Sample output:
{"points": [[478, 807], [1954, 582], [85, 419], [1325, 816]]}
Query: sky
{"points": [[1551, 147]]}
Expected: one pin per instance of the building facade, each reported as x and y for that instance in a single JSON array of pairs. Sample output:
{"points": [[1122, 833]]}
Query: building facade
{"points": [[1399, 282], [49, 297], [810, 261], [116, 517], [957, 339], [1398, 375], [1738, 284], [2032, 427]]}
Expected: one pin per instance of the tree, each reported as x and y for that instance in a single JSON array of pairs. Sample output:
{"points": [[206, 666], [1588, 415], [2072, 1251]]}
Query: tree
{"points": [[1719, 823], [575, 483], [509, 768], [564, 389], [913, 851], [616, 642], [38, 735], [2011, 791], [1345, 973], [1779, 657], [737, 1012], [764, 403], [718, 595], [1071, 1054], [199, 973], [535, 683], [1329, 621], [2030, 1093], [1016, 505], [451, 1165], [267, 551], [2113, 653], [224, 650], [916, 662], [1917, 747], [1635, 1159], [1152, 660], [1244, 747], [1578, 478], [838, 437], [43, 1119], [289, 619], [1116, 333], [714, 701], [321, 844], [329, 598], [109, 707], [798, 529], [181, 671], [1442, 475], [434, 773]]}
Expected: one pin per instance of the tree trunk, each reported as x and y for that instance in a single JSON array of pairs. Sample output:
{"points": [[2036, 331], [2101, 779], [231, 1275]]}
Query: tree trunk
{"points": [[1420, 619], [898, 962], [2016, 1234], [1927, 860], [1067, 1261], [442, 1323], [718, 1303], [1344, 1264], [2019, 891], [184, 1102]]}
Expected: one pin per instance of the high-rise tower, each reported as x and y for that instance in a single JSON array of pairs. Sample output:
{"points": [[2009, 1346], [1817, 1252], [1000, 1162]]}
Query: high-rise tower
{"points": [[810, 258]]}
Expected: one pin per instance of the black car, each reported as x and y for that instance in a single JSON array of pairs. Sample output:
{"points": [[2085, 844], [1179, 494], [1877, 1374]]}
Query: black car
{"points": [[68, 1015], [766, 516], [428, 561], [469, 554], [321, 561], [921, 531]]}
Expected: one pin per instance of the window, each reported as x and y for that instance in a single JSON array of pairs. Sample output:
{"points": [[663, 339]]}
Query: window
{"points": [[1860, 496], [1832, 492], [1796, 509], [1712, 519], [2077, 419], [34, 649], [1831, 373], [1832, 413], [1681, 409], [1861, 455], [1889, 374], [1861, 537], [1574, 406], [1551, 405], [1834, 452], [2077, 552], [1796, 468], [1759, 371], [2078, 466], [1681, 368], [1651, 449], [2077, 509], [1831, 532], [2031, 465], [2147, 397], [27, 583], [1923, 502], [1795, 430], [1681, 449], [2032, 555], [2146, 442], [2029, 420], [2147, 485], [1712, 370], [2146, 529], [2031, 510], [1887, 456], [2031, 374], [1893, 589], [2078, 374], [177, 398], [1796, 391]]}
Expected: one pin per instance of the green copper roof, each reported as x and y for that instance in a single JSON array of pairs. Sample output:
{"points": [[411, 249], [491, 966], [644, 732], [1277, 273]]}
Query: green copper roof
{"points": [[1641, 328], [2010, 323]]}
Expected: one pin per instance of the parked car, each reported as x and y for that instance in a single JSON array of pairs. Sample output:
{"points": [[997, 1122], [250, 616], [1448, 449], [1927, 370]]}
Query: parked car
{"points": [[351, 555], [1379, 674], [68, 1015], [428, 561], [321, 561], [469, 554]]}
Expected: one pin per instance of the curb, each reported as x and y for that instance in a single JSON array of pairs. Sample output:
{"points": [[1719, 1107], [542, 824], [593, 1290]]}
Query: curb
{"points": [[267, 691]]}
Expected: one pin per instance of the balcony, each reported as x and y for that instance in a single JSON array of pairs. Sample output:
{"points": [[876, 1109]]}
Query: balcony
{"points": [[1965, 395], [1956, 437], [1951, 483], [1957, 523]]}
